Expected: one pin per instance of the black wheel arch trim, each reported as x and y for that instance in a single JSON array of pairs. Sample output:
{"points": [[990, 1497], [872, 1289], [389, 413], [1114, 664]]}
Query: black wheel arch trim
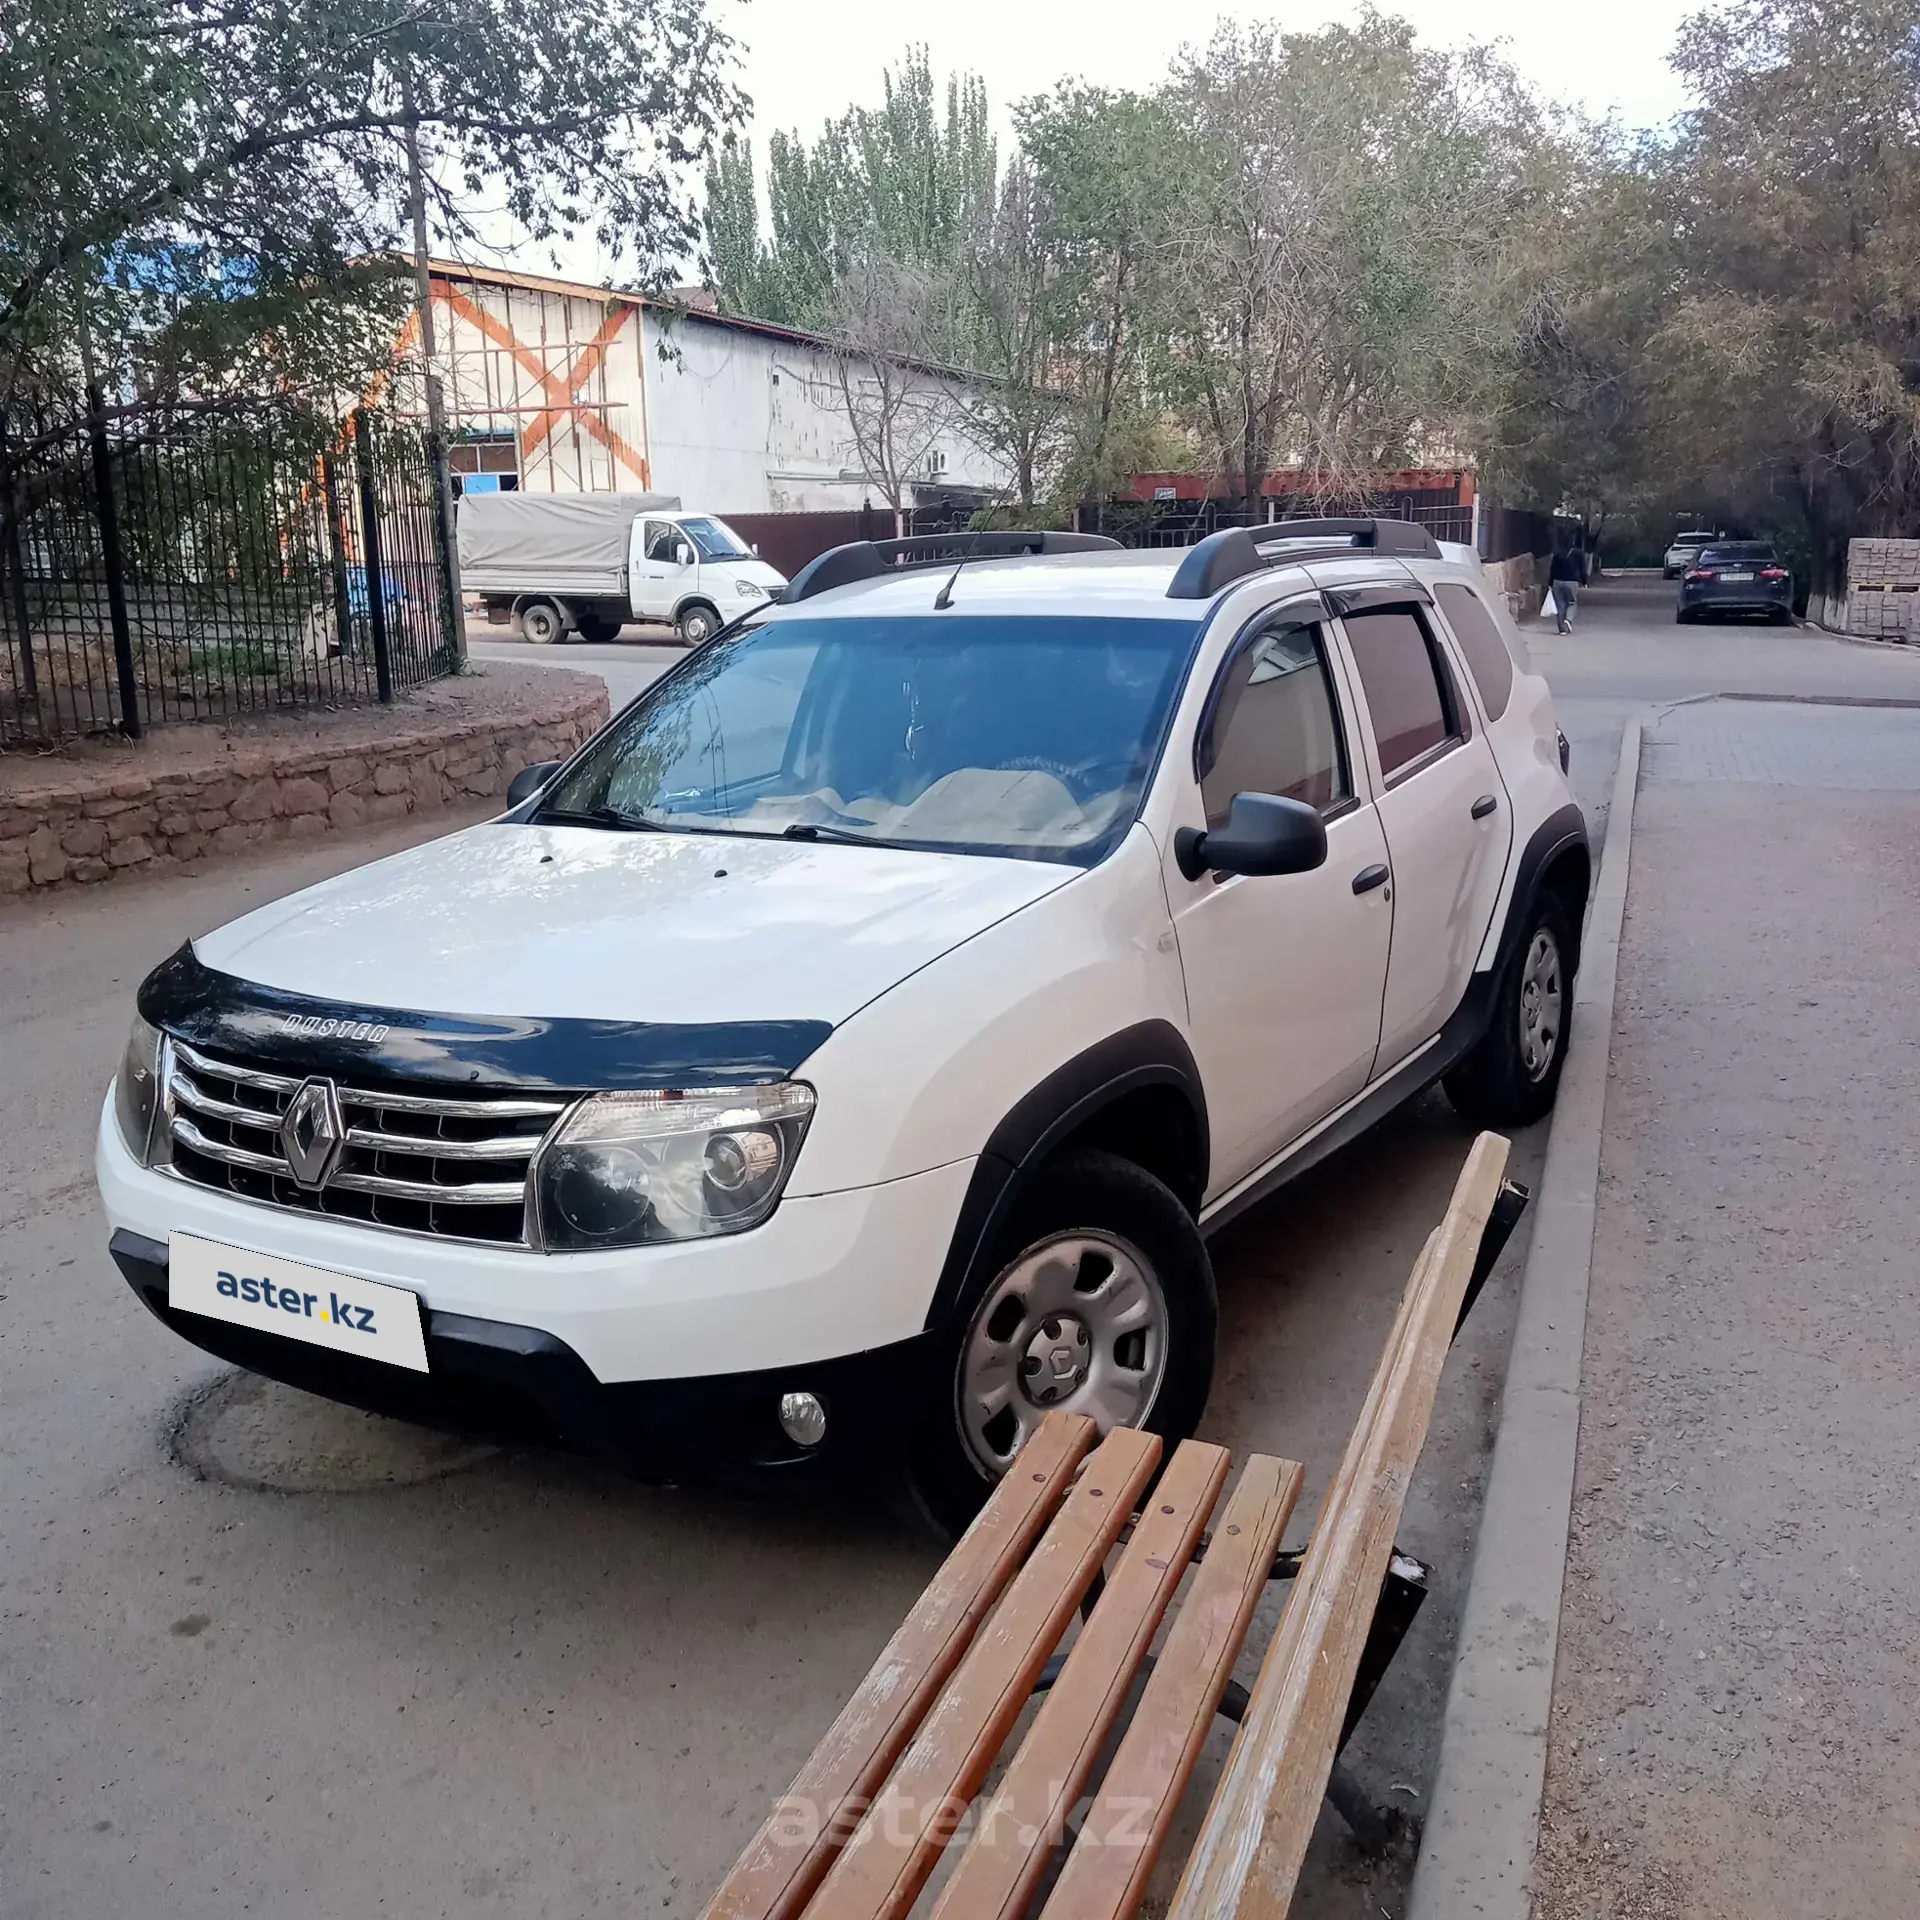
{"points": [[1153, 1053], [1559, 834]]}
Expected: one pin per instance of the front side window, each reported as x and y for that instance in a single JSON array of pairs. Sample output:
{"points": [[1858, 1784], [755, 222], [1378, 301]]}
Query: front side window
{"points": [[663, 537], [1275, 728], [1407, 697], [1031, 736]]}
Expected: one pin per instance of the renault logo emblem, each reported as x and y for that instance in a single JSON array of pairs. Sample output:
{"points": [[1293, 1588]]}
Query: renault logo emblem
{"points": [[312, 1134]]}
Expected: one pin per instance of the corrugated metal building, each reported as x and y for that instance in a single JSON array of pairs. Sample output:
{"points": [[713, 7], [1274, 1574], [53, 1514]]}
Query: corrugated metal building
{"points": [[558, 387]]}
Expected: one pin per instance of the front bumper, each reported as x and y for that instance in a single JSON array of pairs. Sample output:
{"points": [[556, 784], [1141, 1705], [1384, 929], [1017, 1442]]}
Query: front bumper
{"points": [[667, 1359], [517, 1384]]}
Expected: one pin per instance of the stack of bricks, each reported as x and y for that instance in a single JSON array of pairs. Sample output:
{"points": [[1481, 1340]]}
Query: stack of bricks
{"points": [[81, 829], [1883, 589]]}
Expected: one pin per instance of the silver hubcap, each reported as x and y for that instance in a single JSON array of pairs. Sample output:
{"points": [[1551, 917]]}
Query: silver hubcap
{"points": [[1540, 999], [1078, 1323]]}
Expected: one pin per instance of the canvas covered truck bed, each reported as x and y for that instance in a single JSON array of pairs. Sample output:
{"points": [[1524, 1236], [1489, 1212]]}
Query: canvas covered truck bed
{"points": [[558, 543]]}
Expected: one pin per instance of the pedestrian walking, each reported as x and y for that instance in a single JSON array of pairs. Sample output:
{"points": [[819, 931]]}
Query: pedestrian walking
{"points": [[1566, 576]]}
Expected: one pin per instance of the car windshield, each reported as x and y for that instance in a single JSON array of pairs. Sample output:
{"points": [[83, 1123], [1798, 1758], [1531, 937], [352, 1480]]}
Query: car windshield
{"points": [[1021, 735], [1737, 552], [715, 539]]}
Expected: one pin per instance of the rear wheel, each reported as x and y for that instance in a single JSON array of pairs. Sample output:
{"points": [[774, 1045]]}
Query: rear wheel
{"points": [[599, 628], [541, 623], [1100, 1301], [1683, 616], [1511, 1077]]}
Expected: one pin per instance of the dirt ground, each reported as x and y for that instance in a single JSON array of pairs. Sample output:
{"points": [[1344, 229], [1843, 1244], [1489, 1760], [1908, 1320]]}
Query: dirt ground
{"points": [[1736, 1726]]}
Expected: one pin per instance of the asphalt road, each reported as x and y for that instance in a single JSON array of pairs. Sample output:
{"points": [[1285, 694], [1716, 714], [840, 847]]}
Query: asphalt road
{"points": [[259, 1653]]}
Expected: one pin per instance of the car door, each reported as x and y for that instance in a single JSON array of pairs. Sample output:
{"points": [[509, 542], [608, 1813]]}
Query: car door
{"points": [[1442, 805], [1285, 973], [656, 581]]}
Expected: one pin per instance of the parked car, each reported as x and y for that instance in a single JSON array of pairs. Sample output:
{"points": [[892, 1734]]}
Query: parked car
{"points": [[844, 1057], [1682, 551], [1736, 576], [557, 564]]}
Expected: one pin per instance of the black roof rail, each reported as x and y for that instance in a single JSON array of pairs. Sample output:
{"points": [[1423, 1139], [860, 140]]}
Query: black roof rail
{"points": [[1224, 557], [871, 559]]}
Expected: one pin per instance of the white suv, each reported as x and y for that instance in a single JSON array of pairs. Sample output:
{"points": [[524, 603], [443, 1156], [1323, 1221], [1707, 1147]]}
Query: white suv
{"points": [[842, 1060]]}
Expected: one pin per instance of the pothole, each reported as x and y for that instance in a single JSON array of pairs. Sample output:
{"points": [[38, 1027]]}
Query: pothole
{"points": [[245, 1431]]}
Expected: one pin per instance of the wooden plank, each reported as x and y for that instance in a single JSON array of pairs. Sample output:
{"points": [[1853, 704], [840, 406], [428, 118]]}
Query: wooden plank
{"points": [[1121, 1838], [1246, 1859], [1023, 1823], [785, 1861], [883, 1867]]}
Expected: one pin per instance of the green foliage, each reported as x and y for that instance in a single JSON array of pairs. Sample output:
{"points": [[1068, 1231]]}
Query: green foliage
{"points": [[910, 180], [193, 189]]}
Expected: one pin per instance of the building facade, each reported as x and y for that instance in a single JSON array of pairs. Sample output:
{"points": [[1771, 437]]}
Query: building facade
{"points": [[554, 386]]}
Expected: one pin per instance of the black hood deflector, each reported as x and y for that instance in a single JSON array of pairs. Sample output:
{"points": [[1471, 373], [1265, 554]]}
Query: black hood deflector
{"points": [[398, 1047]]}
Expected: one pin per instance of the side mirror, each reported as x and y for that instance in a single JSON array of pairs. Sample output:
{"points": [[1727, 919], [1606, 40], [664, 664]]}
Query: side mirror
{"points": [[683, 555], [1264, 834], [529, 780]]}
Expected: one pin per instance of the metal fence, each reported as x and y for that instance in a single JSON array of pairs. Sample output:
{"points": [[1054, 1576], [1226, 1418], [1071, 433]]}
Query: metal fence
{"points": [[205, 563], [1181, 523]]}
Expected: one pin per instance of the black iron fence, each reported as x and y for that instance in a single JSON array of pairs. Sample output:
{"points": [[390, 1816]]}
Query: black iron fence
{"points": [[207, 562]]}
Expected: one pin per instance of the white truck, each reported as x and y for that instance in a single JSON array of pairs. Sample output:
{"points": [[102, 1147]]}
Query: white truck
{"points": [[558, 564]]}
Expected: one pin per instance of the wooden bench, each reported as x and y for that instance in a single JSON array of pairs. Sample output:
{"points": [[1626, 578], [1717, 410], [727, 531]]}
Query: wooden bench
{"points": [[898, 1777]]}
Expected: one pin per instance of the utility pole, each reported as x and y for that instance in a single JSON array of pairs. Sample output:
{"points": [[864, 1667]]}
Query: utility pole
{"points": [[436, 398]]}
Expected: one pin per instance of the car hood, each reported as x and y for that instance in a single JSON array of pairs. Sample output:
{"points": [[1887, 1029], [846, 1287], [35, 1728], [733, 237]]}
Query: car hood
{"points": [[573, 922], [756, 570]]}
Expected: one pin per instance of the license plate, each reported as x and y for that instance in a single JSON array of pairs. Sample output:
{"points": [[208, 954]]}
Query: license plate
{"points": [[299, 1302], [1736, 576]]}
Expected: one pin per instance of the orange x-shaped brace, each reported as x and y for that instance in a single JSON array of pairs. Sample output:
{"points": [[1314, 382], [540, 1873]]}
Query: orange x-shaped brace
{"points": [[562, 390]]}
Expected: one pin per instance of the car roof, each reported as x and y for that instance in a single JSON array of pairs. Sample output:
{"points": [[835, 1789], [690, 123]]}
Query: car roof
{"points": [[1114, 584]]}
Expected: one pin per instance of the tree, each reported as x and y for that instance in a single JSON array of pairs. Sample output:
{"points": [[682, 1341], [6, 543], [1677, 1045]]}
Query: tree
{"points": [[897, 406], [201, 190], [911, 180], [1338, 196]]}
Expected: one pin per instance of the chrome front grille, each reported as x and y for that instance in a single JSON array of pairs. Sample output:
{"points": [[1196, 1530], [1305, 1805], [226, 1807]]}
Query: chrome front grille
{"points": [[452, 1165]]}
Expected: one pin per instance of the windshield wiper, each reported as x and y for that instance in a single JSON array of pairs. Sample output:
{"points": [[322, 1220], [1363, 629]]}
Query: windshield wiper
{"points": [[807, 830], [610, 817]]}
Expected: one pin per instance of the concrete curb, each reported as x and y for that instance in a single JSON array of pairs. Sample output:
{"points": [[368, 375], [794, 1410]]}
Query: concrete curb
{"points": [[1476, 1855]]}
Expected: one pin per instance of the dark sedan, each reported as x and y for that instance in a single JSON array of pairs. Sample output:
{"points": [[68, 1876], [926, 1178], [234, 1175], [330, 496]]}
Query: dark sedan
{"points": [[1736, 576]]}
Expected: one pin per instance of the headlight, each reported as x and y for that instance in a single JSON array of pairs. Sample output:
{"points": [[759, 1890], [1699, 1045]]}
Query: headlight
{"points": [[750, 589], [631, 1169], [136, 1089]]}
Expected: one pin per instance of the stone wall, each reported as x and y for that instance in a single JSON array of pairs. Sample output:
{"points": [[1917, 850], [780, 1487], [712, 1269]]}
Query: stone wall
{"points": [[1523, 580], [97, 822]]}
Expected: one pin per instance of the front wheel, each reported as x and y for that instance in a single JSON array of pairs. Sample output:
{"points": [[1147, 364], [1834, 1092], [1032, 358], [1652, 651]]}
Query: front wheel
{"points": [[1510, 1078], [698, 624], [1100, 1301]]}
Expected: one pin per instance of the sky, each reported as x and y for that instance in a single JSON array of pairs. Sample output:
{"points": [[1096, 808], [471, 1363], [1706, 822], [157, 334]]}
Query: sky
{"points": [[804, 61]]}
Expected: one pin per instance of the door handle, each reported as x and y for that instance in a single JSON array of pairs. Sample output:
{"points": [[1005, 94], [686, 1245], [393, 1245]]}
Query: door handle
{"points": [[1484, 806], [1370, 877]]}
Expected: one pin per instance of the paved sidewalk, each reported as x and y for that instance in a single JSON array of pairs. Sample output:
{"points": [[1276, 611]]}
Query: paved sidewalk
{"points": [[1736, 1726]]}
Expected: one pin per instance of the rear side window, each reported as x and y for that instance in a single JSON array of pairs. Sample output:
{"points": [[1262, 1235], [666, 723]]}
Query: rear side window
{"points": [[1487, 657], [1276, 729], [1407, 697]]}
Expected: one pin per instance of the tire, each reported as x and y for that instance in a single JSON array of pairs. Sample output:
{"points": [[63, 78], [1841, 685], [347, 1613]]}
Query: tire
{"points": [[1781, 616], [599, 628], [542, 624], [1097, 1230], [698, 622], [1681, 617], [1510, 1078]]}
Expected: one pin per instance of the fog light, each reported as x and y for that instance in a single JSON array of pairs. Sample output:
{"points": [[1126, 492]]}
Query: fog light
{"points": [[803, 1419]]}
